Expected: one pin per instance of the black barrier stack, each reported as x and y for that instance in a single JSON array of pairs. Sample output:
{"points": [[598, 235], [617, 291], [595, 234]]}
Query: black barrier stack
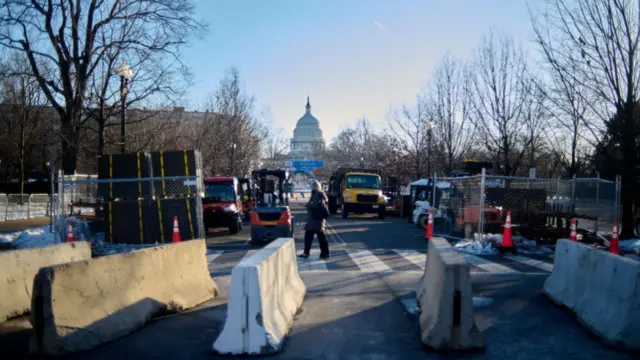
{"points": [[174, 163], [132, 222], [125, 166], [143, 211], [176, 200]]}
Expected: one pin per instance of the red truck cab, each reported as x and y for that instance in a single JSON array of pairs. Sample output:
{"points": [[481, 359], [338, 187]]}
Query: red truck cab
{"points": [[221, 204]]}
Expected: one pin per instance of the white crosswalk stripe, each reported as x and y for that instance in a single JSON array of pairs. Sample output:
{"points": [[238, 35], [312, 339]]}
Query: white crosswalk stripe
{"points": [[213, 254], [367, 261], [248, 254], [414, 256], [532, 262], [313, 263], [489, 266]]}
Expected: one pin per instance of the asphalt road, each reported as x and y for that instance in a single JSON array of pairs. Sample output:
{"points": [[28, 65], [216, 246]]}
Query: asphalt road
{"points": [[361, 303]]}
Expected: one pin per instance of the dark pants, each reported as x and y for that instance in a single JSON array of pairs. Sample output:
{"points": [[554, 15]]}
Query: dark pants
{"points": [[322, 238]]}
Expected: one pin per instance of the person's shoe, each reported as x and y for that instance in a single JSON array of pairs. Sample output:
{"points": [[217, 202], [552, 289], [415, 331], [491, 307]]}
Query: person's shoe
{"points": [[304, 256], [324, 257]]}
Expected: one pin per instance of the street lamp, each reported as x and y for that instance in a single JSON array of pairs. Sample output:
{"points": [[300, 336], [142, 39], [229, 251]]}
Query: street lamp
{"points": [[125, 73], [233, 159], [429, 131]]}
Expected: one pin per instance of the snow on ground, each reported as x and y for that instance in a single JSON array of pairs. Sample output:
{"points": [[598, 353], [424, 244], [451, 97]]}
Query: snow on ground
{"points": [[631, 245], [42, 236], [487, 244]]}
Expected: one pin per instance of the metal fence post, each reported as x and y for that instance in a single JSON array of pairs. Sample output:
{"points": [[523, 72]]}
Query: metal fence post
{"points": [[433, 192], [481, 208], [618, 198], [597, 197], [573, 194], [52, 212], [29, 207]]}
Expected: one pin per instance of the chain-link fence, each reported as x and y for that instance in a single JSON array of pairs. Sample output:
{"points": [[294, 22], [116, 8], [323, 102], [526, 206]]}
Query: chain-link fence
{"points": [[138, 210], [540, 208], [25, 206]]}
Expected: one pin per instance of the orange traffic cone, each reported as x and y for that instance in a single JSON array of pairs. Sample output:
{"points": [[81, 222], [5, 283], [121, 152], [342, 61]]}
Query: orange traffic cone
{"points": [[176, 231], [614, 246], [429, 228], [70, 237], [507, 239], [574, 235]]}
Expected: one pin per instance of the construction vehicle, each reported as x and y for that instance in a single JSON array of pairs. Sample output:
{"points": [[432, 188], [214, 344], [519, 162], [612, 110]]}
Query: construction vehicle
{"points": [[356, 191], [271, 218], [221, 204], [455, 213], [247, 197]]}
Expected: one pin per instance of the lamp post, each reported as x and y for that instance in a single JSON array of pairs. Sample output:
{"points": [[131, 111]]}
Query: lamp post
{"points": [[429, 131], [233, 159], [125, 73]]}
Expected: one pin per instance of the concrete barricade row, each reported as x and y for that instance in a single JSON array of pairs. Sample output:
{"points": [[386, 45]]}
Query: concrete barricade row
{"points": [[80, 305], [265, 294], [446, 301], [18, 268], [603, 290]]}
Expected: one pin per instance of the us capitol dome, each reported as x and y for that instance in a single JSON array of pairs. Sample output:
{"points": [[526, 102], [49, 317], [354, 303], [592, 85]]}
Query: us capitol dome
{"points": [[307, 137]]}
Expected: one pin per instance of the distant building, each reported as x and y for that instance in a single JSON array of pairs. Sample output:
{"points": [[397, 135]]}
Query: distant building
{"points": [[307, 142]]}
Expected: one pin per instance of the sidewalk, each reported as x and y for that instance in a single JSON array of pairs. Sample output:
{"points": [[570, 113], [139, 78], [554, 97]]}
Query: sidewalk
{"points": [[21, 224]]}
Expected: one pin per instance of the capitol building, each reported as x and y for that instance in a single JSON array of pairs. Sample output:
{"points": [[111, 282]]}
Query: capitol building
{"points": [[307, 142]]}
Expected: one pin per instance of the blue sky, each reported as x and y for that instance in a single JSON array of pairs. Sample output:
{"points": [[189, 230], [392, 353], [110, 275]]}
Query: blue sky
{"points": [[353, 58]]}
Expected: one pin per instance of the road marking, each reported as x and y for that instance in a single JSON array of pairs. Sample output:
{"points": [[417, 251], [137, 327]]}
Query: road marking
{"points": [[532, 262], [337, 238], [414, 256], [212, 255], [312, 263], [248, 254], [489, 266], [367, 261]]}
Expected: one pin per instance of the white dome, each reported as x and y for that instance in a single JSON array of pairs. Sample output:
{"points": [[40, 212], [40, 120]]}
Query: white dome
{"points": [[307, 131]]}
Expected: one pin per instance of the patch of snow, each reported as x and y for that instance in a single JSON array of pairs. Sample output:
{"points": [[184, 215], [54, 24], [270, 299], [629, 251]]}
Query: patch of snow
{"points": [[476, 247], [31, 238], [42, 236], [487, 244], [630, 245]]}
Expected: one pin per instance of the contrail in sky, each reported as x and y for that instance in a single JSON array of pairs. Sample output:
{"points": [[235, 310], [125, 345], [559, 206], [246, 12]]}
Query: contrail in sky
{"points": [[382, 27]]}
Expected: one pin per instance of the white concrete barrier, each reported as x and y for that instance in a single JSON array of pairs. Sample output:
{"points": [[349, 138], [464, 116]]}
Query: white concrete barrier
{"points": [[603, 290], [446, 301], [266, 293], [18, 268], [80, 305]]}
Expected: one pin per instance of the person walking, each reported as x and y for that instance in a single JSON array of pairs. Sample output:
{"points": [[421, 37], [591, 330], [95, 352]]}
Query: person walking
{"points": [[316, 222]]}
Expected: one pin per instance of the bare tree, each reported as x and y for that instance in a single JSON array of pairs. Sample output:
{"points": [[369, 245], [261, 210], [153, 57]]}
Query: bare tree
{"points": [[276, 148], [448, 107], [355, 147], [409, 129], [594, 43], [498, 95], [24, 122], [70, 39], [231, 134]]}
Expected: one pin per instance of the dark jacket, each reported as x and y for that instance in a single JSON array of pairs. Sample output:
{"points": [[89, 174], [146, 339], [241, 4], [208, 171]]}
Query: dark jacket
{"points": [[317, 197]]}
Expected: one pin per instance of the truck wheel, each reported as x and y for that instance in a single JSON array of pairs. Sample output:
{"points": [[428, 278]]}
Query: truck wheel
{"points": [[345, 212], [333, 207], [234, 227], [255, 240], [382, 213]]}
